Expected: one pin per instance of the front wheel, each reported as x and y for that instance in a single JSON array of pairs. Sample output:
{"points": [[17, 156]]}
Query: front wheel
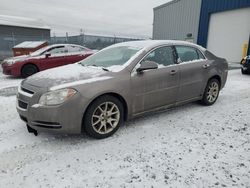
{"points": [[28, 70], [103, 117], [211, 92]]}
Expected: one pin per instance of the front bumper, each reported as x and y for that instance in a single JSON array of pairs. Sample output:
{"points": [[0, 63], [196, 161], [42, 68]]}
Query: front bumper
{"points": [[6, 69], [64, 118], [246, 66], [10, 69]]}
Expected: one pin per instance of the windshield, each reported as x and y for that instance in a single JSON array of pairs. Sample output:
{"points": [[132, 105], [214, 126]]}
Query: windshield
{"points": [[111, 56], [40, 51]]}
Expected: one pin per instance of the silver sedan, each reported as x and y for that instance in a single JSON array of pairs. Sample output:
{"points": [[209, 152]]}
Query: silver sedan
{"points": [[118, 83]]}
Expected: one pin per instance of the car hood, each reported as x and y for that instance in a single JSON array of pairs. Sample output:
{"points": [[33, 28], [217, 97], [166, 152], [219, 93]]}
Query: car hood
{"points": [[23, 58], [18, 58], [66, 76]]}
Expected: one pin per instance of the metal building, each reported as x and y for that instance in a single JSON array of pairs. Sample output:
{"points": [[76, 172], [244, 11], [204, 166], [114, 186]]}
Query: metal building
{"points": [[222, 26], [14, 30], [177, 19]]}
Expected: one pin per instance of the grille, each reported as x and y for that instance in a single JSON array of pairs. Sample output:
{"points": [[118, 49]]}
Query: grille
{"points": [[22, 104], [27, 91]]}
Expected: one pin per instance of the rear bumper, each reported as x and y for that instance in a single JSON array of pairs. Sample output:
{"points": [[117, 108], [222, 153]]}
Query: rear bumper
{"points": [[224, 79], [6, 69]]}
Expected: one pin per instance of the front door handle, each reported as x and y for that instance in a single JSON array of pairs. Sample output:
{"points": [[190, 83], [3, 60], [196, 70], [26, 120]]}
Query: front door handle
{"points": [[206, 66], [173, 72]]}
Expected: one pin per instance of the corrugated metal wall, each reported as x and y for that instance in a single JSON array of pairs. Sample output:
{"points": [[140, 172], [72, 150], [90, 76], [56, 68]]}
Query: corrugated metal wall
{"points": [[11, 35], [174, 20]]}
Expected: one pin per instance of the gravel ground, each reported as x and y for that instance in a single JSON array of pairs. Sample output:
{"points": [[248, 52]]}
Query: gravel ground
{"points": [[188, 146]]}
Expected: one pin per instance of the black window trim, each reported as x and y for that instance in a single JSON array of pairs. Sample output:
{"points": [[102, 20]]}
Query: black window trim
{"points": [[52, 48]]}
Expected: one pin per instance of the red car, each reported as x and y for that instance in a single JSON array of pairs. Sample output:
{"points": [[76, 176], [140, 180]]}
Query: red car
{"points": [[45, 58]]}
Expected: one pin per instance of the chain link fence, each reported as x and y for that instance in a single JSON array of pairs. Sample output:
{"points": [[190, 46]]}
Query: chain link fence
{"points": [[7, 42], [91, 41]]}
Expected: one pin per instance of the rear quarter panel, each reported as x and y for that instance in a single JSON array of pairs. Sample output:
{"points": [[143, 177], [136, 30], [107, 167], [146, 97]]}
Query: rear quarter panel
{"points": [[219, 67]]}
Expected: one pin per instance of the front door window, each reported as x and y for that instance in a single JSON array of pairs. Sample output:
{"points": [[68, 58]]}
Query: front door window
{"points": [[163, 56]]}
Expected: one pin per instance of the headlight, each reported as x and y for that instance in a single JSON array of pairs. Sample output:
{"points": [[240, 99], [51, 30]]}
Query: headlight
{"points": [[56, 97], [10, 61]]}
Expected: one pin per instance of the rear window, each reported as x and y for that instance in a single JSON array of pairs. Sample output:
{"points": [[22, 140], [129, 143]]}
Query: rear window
{"points": [[76, 49]]}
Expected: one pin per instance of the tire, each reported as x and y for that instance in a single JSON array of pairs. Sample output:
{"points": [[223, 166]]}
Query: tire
{"points": [[211, 92], [103, 117], [243, 71], [28, 70]]}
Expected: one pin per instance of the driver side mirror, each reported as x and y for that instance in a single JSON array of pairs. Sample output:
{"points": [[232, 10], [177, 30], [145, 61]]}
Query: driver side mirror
{"points": [[47, 54], [147, 65]]}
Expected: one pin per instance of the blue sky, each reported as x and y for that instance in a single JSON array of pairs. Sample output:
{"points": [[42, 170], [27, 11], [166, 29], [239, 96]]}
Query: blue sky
{"points": [[110, 17]]}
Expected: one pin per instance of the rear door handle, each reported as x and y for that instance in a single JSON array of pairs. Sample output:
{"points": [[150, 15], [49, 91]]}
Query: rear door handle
{"points": [[173, 72], [206, 66]]}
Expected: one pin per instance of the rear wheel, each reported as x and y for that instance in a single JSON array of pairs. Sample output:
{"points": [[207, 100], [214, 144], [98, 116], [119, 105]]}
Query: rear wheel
{"points": [[28, 70], [103, 117], [211, 92]]}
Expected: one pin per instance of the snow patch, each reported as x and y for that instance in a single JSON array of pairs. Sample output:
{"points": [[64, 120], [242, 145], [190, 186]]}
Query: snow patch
{"points": [[194, 61], [65, 72], [30, 44], [188, 146], [36, 105]]}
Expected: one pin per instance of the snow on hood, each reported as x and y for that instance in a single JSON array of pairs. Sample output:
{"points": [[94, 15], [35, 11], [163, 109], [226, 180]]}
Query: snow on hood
{"points": [[17, 58], [23, 58], [65, 75], [41, 56]]}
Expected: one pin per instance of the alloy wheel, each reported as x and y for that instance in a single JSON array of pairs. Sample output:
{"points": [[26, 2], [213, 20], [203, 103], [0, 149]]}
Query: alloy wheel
{"points": [[212, 92], [105, 117]]}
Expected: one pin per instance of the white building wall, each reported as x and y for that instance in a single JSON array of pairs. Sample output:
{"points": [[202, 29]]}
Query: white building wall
{"points": [[228, 32]]}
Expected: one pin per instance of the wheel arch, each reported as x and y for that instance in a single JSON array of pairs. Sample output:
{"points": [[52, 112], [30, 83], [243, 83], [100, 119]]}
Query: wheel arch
{"points": [[29, 63], [217, 77]]}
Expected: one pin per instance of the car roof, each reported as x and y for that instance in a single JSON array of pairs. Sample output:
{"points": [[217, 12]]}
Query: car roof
{"points": [[149, 44], [56, 45]]}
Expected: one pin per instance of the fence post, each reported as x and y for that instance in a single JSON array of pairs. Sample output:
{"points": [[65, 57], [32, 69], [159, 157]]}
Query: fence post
{"points": [[13, 39]]}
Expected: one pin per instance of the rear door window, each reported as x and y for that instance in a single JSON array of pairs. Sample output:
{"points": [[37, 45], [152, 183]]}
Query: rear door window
{"points": [[58, 50], [187, 54], [75, 49]]}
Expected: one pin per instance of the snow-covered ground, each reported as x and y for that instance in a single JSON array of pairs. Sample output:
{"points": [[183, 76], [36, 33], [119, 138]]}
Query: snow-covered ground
{"points": [[188, 146], [8, 81]]}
